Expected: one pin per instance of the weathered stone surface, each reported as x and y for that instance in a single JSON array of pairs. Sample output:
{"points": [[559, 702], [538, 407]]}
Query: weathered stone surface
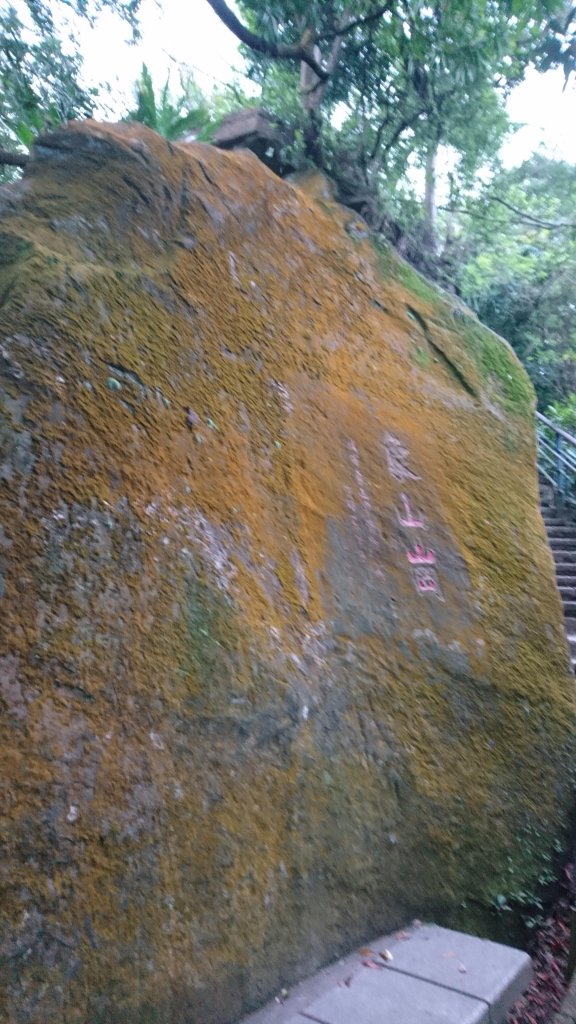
{"points": [[236, 736], [253, 129], [244, 124]]}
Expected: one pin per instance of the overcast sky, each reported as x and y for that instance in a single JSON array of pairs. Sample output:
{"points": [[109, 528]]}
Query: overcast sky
{"points": [[188, 32]]}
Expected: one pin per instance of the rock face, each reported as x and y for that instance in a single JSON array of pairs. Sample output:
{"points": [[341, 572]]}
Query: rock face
{"points": [[282, 657], [253, 129]]}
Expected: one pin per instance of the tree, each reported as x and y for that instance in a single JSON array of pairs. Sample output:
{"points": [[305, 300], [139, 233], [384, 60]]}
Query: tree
{"points": [[335, 45], [515, 264], [409, 76], [40, 74], [39, 86], [171, 116], [189, 111]]}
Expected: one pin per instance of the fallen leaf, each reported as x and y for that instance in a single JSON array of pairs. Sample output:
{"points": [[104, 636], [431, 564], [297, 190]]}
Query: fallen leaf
{"points": [[386, 954], [462, 969], [402, 935], [366, 951], [370, 963]]}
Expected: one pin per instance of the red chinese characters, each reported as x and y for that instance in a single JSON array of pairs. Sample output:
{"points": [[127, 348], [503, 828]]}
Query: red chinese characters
{"points": [[420, 558]]}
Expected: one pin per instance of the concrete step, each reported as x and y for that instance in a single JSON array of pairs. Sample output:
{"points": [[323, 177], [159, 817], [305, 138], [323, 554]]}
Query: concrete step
{"points": [[423, 975], [566, 579], [562, 543], [563, 556], [565, 568], [569, 609], [561, 530], [567, 593]]}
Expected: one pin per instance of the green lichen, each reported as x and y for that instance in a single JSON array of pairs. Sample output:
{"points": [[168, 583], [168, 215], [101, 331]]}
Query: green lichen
{"points": [[500, 369]]}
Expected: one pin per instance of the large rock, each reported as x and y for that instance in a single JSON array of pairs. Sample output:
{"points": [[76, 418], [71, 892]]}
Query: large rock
{"points": [[253, 129], [283, 661]]}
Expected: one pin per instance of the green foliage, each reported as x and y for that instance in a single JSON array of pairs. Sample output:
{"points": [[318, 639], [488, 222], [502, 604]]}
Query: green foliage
{"points": [[529, 901], [564, 413], [171, 116], [41, 13], [401, 85], [558, 48], [187, 112], [515, 263], [39, 82]]}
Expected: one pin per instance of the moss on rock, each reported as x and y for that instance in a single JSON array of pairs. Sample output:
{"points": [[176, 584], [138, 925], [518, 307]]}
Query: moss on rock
{"points": [[283, 660]]}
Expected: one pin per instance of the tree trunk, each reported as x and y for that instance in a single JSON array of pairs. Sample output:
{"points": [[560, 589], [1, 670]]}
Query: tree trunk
{"points": [[313, 138], [312, 93], [311, 96], [430, 212]]}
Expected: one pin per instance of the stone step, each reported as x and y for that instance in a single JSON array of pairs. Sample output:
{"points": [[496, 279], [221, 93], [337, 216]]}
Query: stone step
{"points": [[564, 555], [565, 568], [569, 609], [559, 543], [429, 975], [561, 530], [566, 579], [567, 593]]}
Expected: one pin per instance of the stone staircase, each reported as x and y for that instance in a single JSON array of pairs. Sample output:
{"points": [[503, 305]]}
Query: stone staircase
{"points": [[561, 530]]}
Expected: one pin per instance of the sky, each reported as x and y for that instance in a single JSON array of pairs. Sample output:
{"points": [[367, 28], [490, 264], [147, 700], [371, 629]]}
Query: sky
{"points": [[188, 32]]}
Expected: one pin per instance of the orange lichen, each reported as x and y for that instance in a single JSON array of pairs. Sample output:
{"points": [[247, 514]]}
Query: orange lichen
{"points": [[243, 739]]}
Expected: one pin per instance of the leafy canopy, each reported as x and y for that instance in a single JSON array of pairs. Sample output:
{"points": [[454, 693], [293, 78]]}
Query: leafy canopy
{"points": [[515, 264], [403, 78], [39, 82]]}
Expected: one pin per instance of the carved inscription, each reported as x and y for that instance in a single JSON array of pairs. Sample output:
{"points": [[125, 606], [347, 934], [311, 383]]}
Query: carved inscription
{"points": [[420, 558]]}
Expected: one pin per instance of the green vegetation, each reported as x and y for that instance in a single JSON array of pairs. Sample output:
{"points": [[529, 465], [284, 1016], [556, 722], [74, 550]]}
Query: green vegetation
{"points": [[514, 262], [170, 116], [39, 85], [186, 112], [403, 79], [372, 95]]}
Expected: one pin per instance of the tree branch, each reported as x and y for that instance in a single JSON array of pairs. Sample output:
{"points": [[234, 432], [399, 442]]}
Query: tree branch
{"points": [[314, 94], [407, 122], [524, 218], [354, 23], [302, 51], [11, 159], [523, 215]]}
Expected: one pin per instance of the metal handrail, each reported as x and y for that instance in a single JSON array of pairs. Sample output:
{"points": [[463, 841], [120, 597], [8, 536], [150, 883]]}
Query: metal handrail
{"points": [[558, 430], [566, 458], [557, 458]]}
